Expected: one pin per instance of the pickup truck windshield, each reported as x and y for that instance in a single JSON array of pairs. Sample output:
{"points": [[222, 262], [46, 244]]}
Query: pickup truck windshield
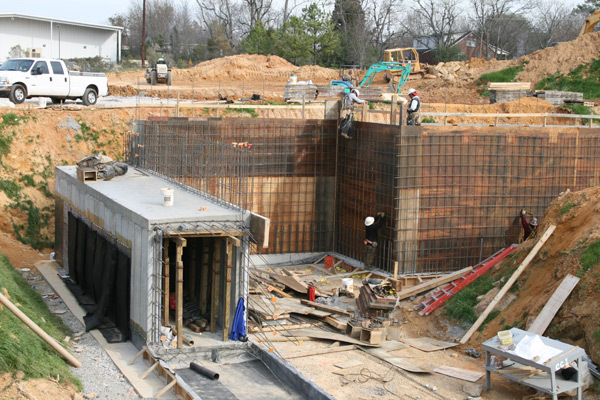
{"points": [[16, 65]]}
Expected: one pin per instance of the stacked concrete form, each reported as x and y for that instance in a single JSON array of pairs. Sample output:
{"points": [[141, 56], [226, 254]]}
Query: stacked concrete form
{"points": [[452, 195], [558, 97]]}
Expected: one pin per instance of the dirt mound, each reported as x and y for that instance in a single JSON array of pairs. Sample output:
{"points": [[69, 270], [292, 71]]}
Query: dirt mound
{"points": [[125, 91], [577, 219], [561, 58]]}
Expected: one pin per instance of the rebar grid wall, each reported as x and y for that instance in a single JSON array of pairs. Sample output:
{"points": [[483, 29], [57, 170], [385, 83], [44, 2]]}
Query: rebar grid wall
{"points": [[457, 191], [282, 169]]}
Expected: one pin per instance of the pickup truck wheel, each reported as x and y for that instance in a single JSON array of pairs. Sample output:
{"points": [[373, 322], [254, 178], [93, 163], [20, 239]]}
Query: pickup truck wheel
{"points": [[89, 97], [17, 94]]}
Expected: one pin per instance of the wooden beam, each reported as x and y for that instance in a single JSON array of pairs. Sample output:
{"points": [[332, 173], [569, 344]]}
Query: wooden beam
{"points": [[551, 308], [227, 304], [327, 350], [166, 388], [214, 312], [509, 283], [166, 288], [152, 368], [179, 306], [192, 272], [425, 286]]}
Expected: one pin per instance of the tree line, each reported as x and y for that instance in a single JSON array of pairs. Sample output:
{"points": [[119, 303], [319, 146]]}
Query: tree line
{"points": [[342, 32]]}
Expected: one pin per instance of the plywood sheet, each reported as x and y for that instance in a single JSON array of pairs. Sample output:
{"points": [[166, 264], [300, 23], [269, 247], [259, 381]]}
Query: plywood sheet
{"points": [[316, 334], [290, 282], [460, 373], [428, 344], [559, 296]]}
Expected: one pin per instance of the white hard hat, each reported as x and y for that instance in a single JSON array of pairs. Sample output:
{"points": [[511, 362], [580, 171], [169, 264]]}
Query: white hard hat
{"points": [[356, 91], [369, 221], [411, 91]]}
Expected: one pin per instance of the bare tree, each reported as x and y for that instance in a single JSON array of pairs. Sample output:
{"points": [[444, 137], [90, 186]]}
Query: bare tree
{"points": [[289, 7], [384, 16], [220, 16], [440, 17], [497, 18], [254, 11], [554, 22]]}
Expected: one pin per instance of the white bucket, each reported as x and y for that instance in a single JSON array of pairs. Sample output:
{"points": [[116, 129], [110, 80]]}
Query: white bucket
{"points": [[167, 196], [42, 102], [348, 284], [293, 79]]}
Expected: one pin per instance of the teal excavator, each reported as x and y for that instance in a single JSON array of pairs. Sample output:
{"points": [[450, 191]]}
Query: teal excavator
{"points": [[397, 71]]}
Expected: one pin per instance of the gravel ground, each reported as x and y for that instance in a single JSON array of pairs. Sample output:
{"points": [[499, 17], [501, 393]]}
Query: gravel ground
{"points": [[99, 375]]}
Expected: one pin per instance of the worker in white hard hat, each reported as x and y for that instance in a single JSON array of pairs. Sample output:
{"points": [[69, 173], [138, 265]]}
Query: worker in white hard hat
{"points": [[347, 108], [372, 225], [529, 227], [414, 107]]}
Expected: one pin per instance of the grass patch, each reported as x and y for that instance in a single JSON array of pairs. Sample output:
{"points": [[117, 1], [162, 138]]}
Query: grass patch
{"points": [[37, 220], [580, 109], [428, 120], [585, 78], [20, 348], [461, 306], [589, 258], [250, 111], [487, 319], [566, 208], [504, 75]]}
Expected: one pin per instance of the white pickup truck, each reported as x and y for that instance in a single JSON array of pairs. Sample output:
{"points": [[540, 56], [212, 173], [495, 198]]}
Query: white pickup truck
{"points": [[22, 78]]}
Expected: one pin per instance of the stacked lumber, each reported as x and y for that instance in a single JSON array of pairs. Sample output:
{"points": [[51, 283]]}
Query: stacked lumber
{"points": [[502, 92], [295, 92]]}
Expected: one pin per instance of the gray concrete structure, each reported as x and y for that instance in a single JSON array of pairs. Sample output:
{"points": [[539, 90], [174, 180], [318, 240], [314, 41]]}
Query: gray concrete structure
{"points": [[55, 38], [130, 209]]}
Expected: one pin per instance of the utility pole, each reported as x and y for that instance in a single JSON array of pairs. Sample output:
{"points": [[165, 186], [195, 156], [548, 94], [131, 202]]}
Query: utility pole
{"points": [[144, 35]]}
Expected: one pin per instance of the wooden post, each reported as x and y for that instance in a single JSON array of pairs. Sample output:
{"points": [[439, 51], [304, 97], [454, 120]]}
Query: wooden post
{"points": [[303, 105], [177, 109], [227, 305], [509, 283], [204, 276], [393, 110], [363, 117], [181, 243], [216, 267], [166, 288]]}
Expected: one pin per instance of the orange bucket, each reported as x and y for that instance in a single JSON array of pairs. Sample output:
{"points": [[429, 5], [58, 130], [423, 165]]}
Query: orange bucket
{"points": [[329, 261]]}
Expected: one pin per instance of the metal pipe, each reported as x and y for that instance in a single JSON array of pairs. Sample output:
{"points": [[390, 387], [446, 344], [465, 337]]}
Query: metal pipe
{"points": [[204, 371]]}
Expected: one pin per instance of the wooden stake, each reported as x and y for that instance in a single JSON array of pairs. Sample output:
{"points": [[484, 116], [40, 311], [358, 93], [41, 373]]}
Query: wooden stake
{"points": [[508, 284], [181, 243], [227, 305], [166, 288]]}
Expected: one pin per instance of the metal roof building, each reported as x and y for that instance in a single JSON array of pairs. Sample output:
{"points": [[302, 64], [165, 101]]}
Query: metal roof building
{"points": [[55, 38]]}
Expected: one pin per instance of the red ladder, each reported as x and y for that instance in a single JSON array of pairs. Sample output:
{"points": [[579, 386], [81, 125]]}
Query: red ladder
{"points": [[438, 298]]}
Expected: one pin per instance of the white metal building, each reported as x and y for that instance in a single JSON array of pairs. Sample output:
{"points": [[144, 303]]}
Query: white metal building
{"points": [[54, 38]]}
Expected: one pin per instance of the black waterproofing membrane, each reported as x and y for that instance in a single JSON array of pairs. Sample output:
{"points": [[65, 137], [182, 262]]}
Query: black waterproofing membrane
{"points": [[99, 277]]}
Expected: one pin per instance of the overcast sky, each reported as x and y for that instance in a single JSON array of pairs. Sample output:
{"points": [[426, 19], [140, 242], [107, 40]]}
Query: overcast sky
{"points": [[94, 11]]}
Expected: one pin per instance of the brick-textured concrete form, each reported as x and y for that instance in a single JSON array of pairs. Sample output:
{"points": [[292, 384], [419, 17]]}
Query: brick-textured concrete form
{"points": [[130, 209]]}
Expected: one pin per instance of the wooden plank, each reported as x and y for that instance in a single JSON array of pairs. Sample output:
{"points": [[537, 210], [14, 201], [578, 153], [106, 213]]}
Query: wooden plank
{"points": [[324, 307], [259, 228], [432, 283], [290, 282], [427, 344], [227, 304], [559, 296], [216, 269], [181, 243], [330, 336], [166, 289], [396, 361], [286, 327], [348, 364], [509, 284], [460, 373], [327, 350], [336, 323]]}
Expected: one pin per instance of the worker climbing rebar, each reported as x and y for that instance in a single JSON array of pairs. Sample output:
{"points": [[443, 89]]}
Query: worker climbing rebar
{"points": [[372, 225], [529, 227]]}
